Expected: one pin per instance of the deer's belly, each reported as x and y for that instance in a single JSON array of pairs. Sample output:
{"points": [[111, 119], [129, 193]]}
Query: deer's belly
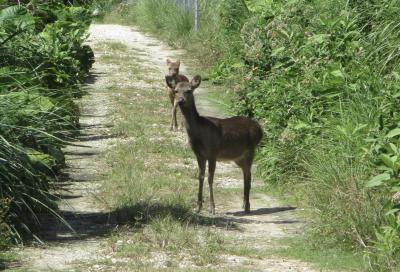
{"points": [[231, 155]]}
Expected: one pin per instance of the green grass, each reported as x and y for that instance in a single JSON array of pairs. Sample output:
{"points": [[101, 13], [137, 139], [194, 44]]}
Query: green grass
{"points": [[7, 258], [323, 257], [312, 247], [116, 46]]}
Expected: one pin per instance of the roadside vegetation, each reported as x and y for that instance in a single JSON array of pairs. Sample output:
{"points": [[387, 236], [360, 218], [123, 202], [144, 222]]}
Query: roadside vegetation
{"points": [[323, 79], [42, 64]]}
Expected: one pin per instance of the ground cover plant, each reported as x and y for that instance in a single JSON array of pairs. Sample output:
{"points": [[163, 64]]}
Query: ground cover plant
{"points": [[322, 76], [43, 63]]}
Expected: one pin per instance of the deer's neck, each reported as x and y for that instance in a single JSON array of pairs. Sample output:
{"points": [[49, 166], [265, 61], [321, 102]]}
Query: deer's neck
{"points": [[192, 118]]}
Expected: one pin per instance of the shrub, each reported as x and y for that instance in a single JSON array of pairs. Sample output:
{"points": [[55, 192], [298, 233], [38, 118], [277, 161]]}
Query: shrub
{"points": [[324, 81], [37, 113]]}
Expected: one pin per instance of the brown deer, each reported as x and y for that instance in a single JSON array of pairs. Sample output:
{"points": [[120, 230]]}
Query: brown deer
{"points": [[173, 71], [211, 139]]}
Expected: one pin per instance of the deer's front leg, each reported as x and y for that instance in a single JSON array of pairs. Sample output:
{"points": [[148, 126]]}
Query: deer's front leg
{"points": [[171, 96], [247, 187], [174, 123], [202, 169], [211, 171]]}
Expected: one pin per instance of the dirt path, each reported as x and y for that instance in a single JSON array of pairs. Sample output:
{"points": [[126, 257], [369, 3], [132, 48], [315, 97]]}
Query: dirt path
{"points": [[87, 166]]}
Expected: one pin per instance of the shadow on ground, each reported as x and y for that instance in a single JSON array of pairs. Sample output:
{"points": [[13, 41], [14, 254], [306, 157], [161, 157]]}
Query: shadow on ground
{"points": [[262, 211], [98, 224]]}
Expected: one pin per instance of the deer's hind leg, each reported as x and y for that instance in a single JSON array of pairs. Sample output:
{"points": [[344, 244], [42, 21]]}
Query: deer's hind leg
{"points": [[211, 170], [245, 163], [202, 169]]}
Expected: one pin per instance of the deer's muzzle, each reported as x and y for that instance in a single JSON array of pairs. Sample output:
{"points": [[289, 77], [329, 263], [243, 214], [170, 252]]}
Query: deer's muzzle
{"points": [[181, 101]]}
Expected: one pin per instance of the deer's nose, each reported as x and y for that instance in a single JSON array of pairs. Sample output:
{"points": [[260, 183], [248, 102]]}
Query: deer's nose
{"points": [[181, 100]]}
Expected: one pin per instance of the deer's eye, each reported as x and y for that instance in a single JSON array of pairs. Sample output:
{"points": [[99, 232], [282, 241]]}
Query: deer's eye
{"points": [[175, 91], [187, 91]]}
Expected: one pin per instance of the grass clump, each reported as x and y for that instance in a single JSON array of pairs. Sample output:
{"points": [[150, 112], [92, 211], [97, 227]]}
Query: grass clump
{"points": [[331, 259]]}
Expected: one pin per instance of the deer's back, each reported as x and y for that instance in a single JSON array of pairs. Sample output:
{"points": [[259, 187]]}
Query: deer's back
{"points": [[238, 135]]}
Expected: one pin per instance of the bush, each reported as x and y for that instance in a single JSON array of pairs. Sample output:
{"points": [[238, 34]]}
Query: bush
{"points": [[37, 113], [324, 81]]}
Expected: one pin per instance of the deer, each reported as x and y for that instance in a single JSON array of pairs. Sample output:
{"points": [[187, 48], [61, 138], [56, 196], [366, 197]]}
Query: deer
{"points": [[214, 139], [173, 71]]}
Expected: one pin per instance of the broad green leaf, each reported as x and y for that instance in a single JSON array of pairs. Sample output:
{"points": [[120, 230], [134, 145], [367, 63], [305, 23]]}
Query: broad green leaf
{"points": [[393, 133], [277, 51], [256, 5], [337, 73], [301, 125], [395, 189], [392, 148], [15, 17], [359, 127], [377, 180], [392, 211], [387, 160], [319, 38]]}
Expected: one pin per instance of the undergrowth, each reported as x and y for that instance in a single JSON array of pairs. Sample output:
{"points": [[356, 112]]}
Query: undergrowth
{"points": [[42, 64]]}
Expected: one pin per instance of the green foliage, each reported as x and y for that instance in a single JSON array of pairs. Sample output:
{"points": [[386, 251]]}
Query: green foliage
{"points": [[324, 81], [258, 5], [5, 232], [43, 62], [386, 249], [233, 14]]}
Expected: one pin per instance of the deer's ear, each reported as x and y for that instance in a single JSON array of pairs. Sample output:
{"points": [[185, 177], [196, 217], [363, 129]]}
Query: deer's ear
{"points": [[195, 82], [168, 61], [171, 82]]}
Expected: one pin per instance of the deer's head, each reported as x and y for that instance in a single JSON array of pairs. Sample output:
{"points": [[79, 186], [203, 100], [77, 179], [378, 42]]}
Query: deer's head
{"points": [[183, 90], [173, 67]]}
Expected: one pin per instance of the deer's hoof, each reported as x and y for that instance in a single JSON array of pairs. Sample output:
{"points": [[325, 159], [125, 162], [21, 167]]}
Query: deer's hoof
{"points": [[198, 209], [212, 211], [246, 207]]}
